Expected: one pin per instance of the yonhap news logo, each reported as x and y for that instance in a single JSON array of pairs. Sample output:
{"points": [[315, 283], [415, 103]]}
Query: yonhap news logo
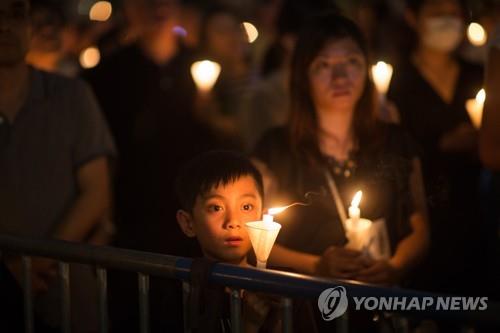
{"points": [[333, 303]]}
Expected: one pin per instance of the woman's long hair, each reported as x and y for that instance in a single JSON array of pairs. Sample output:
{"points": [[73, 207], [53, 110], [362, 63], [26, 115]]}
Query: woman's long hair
{"points": [[303, 125]]}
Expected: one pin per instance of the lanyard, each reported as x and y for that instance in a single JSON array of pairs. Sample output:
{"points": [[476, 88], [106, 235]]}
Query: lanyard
{"points": [[336, 197]]}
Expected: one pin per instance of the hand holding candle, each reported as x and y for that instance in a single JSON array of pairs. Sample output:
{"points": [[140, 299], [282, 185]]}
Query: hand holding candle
{"points": [[475, 108]]}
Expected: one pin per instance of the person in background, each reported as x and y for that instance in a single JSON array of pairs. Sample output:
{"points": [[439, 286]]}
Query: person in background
{"points": [[267, 104], [430, 91], [223, 40], [489, 149], [148, 97], [55, 156], [45, 51], [489, 143], [333, 134]]}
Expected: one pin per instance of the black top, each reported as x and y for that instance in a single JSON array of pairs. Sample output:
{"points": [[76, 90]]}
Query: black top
{"points": [[450, 178], [382, 174]]}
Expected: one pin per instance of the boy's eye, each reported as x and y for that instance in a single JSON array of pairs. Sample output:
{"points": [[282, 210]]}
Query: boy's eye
{"points": [[214, 208], [247, 207]]}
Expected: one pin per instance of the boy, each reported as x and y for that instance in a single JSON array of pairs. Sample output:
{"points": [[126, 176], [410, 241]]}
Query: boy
{"points": [[219, 192]]}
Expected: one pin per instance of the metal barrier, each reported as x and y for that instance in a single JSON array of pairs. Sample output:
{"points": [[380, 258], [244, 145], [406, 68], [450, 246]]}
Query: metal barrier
{"points": [[286, 284]]}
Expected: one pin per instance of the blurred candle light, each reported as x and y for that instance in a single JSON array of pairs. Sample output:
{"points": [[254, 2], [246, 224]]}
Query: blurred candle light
{"points": [[101, 11], [90, 57], [476, 34], [382, 74], [205, 74], [475, 108], [251, 31]]}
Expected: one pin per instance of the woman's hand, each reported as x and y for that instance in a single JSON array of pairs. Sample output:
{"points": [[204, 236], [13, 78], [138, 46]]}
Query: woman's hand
{"points": [[379, 272], [342, 263], [462, 138]]}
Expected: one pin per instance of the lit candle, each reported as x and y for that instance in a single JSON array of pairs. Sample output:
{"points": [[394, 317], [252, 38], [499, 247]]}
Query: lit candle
{"points": [[475, 108], [268, 218], [382, 74], [357, 229], [476, 34], [251, 31], [205, 73], [263, 235]]}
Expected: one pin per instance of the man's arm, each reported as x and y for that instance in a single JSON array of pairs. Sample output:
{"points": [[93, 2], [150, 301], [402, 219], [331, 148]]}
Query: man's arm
{"points": [[93, 203]]}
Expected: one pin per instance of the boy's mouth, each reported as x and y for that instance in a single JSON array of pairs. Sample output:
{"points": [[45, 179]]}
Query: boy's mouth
{"points": [[233, 241]]}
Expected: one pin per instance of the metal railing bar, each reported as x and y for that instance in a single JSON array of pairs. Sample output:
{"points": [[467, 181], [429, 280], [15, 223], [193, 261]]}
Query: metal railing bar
{"points": [[28, 295], [65, 297], [342, 323], [102, 279], [268, 281], [287, 305], [143, 280], [104, 256], [236, 324]]}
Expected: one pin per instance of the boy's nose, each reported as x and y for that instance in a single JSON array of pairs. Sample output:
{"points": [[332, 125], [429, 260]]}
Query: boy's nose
{"points": [[232, 221]]}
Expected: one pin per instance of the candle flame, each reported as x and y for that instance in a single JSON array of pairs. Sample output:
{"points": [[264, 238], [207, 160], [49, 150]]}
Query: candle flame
{"points": [[357, 199], [205, 74], [251, 31], [481, 96], [476, 34], [276, 210], [90, 57], [101, 11]]}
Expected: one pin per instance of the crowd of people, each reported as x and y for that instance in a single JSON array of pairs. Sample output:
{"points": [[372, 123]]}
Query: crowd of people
{"points": [[104, 155]]}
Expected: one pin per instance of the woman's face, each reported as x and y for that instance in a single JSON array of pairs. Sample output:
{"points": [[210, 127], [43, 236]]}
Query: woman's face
{"points": [[337, 76]]}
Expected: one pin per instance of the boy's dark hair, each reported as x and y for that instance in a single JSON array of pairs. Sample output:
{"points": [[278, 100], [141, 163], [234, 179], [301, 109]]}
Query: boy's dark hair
{"points": [[212, 169]]}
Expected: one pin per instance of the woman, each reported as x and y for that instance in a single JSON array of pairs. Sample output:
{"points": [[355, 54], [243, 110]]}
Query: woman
{"points": [[333, 128], [430, 90]]}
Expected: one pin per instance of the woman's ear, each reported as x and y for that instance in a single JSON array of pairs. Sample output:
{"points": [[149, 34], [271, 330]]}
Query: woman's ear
{"points": [[185, 221]]}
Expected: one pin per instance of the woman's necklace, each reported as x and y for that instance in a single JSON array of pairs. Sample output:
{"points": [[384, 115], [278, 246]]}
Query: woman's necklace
{"points": [[344, 168]]}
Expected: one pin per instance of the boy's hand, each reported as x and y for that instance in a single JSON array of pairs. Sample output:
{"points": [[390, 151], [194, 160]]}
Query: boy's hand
{"points": [[256, 307], [342, 263]]}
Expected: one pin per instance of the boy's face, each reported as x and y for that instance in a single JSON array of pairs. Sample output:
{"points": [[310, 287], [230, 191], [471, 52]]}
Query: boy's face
{"points": [[218, 220]]}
